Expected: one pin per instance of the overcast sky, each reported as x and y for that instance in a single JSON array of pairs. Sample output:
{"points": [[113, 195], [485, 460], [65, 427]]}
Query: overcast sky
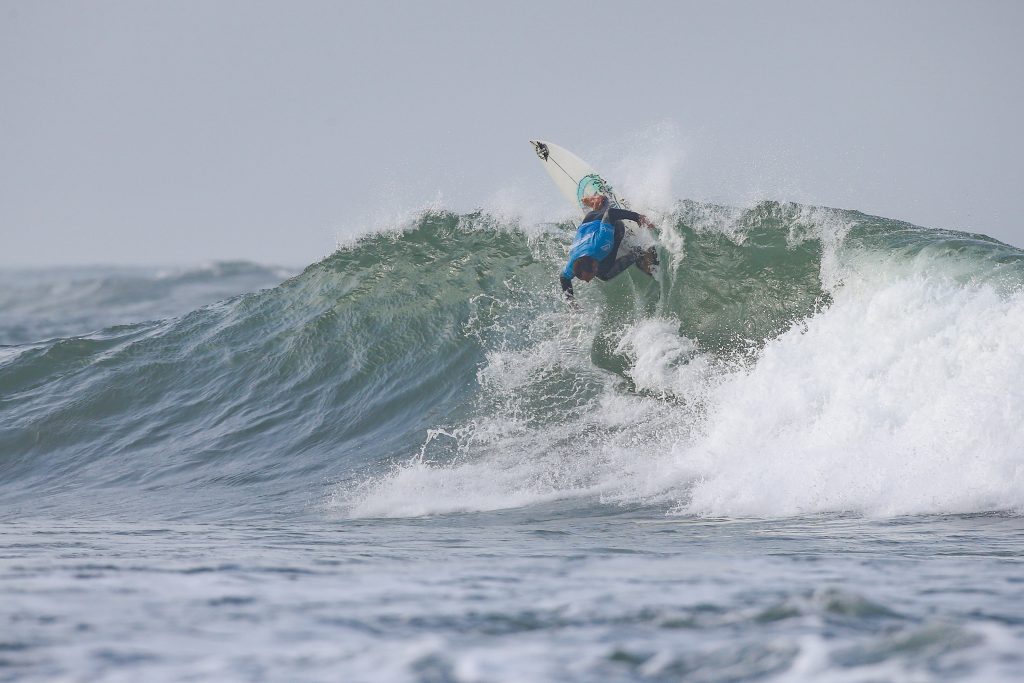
{"points": [[180, 132]]}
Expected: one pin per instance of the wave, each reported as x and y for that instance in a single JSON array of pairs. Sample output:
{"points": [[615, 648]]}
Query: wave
{"points": [[789, 360], [48, 303]]}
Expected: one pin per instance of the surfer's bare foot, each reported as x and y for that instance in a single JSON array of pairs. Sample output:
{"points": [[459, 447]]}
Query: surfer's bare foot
{"points": [[647, 261]]}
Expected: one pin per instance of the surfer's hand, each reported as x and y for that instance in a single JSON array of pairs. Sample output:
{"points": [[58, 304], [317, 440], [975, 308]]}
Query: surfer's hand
{"points": [[646, 222]]}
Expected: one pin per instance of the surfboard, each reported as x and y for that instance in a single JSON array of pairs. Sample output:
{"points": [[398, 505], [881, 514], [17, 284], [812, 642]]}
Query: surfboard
{"points": [[576, 179]]}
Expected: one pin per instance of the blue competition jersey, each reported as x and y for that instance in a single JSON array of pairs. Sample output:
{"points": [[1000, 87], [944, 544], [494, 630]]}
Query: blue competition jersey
{"points": [[595, 239]]}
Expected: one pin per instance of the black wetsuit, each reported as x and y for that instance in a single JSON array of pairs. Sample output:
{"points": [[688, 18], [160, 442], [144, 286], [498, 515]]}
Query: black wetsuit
{"points": [[609, 266]]}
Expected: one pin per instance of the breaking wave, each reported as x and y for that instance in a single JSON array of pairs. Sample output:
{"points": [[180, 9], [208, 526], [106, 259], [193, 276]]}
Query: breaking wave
{"points": [[788, 360]]}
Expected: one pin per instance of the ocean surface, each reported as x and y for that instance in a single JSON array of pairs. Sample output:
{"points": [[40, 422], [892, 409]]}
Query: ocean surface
{"points": [[796, 455]]}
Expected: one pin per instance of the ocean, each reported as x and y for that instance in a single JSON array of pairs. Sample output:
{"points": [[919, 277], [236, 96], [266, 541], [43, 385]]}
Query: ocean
{"points": [[796, 455]]}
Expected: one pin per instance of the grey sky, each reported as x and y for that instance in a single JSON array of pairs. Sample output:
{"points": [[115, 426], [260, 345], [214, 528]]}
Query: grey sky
{"points": [[171, 132]]}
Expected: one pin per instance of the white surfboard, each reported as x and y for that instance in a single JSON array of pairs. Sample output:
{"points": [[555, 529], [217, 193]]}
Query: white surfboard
{"points": [[576, 179]]}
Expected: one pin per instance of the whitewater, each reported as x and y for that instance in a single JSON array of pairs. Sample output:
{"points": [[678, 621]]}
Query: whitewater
{"points": [[796, 455]]}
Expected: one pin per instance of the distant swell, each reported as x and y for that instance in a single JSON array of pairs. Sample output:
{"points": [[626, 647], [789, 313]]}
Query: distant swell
{"points": [[790, 360]]}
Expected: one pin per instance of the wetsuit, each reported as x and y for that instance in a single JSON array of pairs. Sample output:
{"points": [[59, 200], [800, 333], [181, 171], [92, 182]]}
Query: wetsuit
{"points": [[599, 237]]}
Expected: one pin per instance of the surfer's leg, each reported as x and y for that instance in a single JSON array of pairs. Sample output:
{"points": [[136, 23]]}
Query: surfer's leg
{"points": [[645, 259], [619, 264]]}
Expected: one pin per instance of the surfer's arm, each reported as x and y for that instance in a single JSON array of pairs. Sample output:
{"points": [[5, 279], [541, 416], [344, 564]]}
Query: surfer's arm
{"points": [[565, 277], [566, 283], [570, 298], [624, 215]]}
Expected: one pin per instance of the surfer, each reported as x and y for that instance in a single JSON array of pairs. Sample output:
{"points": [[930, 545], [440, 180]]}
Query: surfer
{"points": [[597, 241]]}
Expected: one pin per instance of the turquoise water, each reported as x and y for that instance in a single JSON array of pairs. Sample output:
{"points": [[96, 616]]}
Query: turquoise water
{"points": [[794, 456]]}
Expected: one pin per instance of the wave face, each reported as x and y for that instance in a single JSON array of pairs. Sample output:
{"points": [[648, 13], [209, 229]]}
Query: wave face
{"points": [[789, 360]]}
